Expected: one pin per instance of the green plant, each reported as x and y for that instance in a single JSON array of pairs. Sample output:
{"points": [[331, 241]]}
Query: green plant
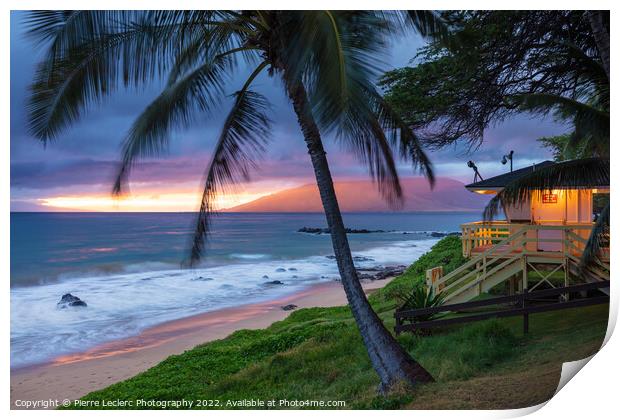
{"points": [[422, 297]]}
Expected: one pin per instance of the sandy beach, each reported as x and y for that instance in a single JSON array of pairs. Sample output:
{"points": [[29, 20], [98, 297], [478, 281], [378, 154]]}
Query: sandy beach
{"points": [[73, 376]]}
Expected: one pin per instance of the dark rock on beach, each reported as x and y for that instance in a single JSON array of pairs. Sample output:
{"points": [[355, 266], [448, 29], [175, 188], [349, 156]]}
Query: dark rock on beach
{"points": [[273, 282], [289, 307], [70, 300], [442, 234], [265, 276], [357, 258], [280, 270], [380, 273]]}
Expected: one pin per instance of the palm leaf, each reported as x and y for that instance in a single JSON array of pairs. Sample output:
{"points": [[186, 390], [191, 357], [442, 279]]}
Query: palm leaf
{"points": [[85, 65], [427, 23], [242, 140], [199, 90], [599, 238], [336, 54]]}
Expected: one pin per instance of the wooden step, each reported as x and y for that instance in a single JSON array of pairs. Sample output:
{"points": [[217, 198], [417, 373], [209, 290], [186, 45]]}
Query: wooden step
{"points": [[484, 284]]}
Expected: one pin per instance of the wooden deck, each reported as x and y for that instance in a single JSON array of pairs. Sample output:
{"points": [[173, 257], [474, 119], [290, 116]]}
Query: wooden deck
{"points": [[550, 240], [499, 251]]}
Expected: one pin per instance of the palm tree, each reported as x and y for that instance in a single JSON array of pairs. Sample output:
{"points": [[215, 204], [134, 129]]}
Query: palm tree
{"points": [[327, 63], [599, 21]]}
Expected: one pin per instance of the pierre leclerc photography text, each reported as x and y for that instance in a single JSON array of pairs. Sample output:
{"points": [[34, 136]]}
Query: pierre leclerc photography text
{"points": [[310, 209]]}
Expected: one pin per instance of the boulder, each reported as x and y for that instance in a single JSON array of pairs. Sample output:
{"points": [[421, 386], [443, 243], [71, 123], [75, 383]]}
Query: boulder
{"points": [[289, 307], [321, 231], [273, 282], [68, 300], [442, 234]]}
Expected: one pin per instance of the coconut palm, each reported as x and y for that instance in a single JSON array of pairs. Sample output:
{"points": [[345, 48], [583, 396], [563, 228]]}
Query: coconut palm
{"points": [[327, 63]]}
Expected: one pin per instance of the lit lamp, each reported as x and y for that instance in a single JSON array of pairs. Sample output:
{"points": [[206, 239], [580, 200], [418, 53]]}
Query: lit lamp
{"points": [[507, 158]]}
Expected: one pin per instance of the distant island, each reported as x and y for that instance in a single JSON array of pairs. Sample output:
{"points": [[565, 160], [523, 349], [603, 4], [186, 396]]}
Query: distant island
{"points": [[362, 196]]}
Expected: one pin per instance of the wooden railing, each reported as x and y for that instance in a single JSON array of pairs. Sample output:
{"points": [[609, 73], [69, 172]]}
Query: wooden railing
{"points": [[523, 304], [478, 237], [487, 263], [480, 234], [494, 249]]}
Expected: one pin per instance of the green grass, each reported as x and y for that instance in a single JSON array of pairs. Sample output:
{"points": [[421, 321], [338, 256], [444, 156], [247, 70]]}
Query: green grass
{"points": [[317, 354]]}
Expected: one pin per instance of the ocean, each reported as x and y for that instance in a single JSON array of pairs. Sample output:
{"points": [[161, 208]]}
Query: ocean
{"points": [[127, 268]]}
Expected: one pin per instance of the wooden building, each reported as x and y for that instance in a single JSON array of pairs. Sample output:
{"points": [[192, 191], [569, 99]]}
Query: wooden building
{"points": [[539, 239]]}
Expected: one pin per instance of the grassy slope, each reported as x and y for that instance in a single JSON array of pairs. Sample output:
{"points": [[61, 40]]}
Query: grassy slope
{"points": [[317, 354]]}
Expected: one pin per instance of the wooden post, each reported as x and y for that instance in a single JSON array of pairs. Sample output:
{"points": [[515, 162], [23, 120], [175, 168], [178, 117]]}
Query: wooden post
{"points": [[526, 316], [399, 323], [524, 269], [512, 285], [433, 275]]}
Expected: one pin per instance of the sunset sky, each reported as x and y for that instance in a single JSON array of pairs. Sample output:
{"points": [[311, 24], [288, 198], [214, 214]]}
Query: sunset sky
{"points": [[75, 172]]}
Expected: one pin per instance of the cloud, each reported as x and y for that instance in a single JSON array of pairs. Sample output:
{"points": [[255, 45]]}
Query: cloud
{"points": [[84, 158]]}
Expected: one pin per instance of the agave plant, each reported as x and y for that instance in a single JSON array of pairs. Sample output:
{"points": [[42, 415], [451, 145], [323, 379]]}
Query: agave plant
{"points": [[422, 297], [327, 63]]}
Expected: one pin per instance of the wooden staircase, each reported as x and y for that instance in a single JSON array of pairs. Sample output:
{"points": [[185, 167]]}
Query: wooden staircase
{"points": [[511, 257]]}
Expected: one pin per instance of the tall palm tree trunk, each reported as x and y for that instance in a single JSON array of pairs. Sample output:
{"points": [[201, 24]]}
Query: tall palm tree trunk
{"points": [[388, 358], [601, 36]]}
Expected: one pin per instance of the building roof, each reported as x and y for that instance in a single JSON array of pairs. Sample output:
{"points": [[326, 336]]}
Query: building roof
{"points": [[500, 181]]}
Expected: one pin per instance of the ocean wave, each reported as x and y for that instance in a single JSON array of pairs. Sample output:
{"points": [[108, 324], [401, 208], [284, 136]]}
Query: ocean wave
{"points": [[143, 295], [249, 256]]}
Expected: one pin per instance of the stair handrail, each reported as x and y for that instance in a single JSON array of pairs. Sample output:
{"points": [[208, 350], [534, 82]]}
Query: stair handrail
{"points": [[476, 282], [484, 255]]}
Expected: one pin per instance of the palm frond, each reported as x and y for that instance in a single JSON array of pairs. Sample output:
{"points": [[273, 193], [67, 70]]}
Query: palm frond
{"points": [[567, 108], [587, 118], [403, 138], [199, 90], [87, 65], [242, 140], [337, 55], [599, 238], [572, 174], [428, 23], [65, 30]]}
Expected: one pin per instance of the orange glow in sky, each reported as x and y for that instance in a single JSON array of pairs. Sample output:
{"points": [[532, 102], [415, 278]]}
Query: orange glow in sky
{"points": [[144, 201]]}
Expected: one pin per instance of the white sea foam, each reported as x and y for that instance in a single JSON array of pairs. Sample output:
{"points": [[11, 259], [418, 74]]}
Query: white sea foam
{"points": [[249, 256], [122, 305]]}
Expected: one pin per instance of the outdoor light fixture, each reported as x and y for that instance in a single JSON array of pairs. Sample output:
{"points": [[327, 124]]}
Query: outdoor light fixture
{"points": [[507, 158], [477, 176]]}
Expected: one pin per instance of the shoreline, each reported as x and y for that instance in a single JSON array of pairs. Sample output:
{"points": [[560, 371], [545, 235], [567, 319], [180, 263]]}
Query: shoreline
{"points": [[75, 375]]}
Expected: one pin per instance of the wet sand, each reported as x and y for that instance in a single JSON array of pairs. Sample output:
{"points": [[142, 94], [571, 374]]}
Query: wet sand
{"points": [[73, 376]]}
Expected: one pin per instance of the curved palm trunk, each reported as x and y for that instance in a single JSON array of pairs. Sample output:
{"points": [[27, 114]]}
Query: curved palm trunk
{"points": [[388, 358], [601, 36]]}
